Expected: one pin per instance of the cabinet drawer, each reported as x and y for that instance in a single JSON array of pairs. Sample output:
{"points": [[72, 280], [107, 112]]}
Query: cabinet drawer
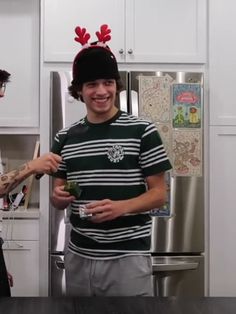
{"points": [[22, 261], [20, 229]]}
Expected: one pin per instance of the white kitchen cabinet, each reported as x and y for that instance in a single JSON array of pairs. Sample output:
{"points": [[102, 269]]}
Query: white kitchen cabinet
{"points": [[22, 260], [19, 24], [222, 215], [21, 252], [142, 31], [222, 64], [17, 149]]}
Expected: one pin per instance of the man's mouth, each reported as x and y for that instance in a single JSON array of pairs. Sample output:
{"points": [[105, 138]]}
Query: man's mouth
{"points": [[101, 100]]}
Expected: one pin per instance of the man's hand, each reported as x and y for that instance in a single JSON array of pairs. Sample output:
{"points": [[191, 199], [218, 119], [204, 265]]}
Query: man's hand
{"points": [[47, 163], [61, 198], [10, 279], [105, 210]]}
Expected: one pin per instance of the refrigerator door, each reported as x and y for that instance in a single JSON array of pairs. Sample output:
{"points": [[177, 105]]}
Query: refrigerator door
{"points": [[178, 276], [64, 110], [183, 230], [57, 286]]}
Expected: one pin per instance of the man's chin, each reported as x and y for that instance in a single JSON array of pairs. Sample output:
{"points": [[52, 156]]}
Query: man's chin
{"points": [[102, 108]]}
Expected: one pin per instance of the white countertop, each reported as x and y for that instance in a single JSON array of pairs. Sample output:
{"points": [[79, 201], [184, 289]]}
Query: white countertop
{"points": [[21, 213]]}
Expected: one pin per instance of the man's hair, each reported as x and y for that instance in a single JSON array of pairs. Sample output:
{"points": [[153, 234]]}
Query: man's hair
{"points": [[4, 76]]}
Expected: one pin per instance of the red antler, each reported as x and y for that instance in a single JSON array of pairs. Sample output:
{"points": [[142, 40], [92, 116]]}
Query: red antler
{"points": [[83, 37], [103, 35]]}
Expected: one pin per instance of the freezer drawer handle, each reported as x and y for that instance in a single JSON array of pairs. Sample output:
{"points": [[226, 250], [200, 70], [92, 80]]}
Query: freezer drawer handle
{"points": [[60, 264], [174, 267]]}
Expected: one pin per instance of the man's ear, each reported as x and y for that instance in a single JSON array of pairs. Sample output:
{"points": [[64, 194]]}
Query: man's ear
{"points": [[80, 97]]}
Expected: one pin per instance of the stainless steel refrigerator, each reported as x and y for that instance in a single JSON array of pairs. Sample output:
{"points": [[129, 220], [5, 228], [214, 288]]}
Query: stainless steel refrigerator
{"points": [[178, 228]]}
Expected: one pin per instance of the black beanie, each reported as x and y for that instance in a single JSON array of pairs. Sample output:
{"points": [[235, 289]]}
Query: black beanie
{"points": [[95, 61]]}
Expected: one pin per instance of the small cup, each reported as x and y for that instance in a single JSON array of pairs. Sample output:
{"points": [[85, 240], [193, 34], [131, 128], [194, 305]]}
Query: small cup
{"points": [[82, 213]]}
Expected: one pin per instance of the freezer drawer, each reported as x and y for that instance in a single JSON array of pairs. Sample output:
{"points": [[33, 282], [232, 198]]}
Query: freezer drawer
{"points": [[178, 276], [57, 284]]}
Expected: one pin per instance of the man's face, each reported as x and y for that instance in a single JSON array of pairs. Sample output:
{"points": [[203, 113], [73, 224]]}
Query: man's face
{"points": [[99, 96], [2, 89]]}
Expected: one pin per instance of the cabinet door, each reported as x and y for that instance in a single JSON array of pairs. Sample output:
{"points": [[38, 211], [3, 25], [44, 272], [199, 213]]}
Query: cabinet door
{"points": [[222, 231], [222, 65], [19, 229], [61, 17], [166, 31], [22, 261], [19, 24], [142, 31]]}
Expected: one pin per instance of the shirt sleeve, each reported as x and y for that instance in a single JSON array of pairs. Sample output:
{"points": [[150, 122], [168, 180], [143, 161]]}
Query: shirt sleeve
{"points": [[153, 157]]}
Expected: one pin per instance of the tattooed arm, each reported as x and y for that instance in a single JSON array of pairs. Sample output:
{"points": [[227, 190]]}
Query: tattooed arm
{"points": [[47, 163]]}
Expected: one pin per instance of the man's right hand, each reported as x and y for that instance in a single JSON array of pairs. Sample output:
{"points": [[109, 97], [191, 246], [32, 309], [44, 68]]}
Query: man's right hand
{"points": [[61, 198]]}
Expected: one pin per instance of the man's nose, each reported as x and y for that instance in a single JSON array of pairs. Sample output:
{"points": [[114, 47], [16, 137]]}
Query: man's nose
{"points": [[101, 88]]}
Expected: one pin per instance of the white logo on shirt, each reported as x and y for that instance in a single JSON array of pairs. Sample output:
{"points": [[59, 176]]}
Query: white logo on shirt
{"points": [[115, 153]]}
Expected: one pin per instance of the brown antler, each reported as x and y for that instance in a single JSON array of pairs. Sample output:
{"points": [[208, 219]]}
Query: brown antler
{"points": [[103, 35], [83, 37]]}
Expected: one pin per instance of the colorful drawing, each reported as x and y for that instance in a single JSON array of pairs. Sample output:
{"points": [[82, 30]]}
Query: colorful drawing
{"points": [[177, 117], [187, 153], [187, 105], [154, 98]]}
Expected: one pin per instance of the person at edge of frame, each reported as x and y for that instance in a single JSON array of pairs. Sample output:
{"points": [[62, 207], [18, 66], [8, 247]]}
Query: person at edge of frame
{"points": [[47, 163], [119, 162]]}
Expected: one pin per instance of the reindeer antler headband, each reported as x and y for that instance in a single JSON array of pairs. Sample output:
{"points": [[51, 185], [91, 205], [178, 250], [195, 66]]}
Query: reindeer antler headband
{"points": [[83, 37], [95, 60]]}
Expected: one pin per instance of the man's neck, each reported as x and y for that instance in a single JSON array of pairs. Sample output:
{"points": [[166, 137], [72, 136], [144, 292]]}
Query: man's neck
{"points": [[100, 118]]}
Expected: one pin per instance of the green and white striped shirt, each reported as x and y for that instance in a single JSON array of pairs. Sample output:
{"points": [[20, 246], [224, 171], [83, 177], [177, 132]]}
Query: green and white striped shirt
{"points": [[110, 160]]}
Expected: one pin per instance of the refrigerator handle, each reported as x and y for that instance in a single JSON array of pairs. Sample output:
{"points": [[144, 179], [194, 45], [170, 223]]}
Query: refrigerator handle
{"points": [[60, 264], [123, 101], [174, 267], [67, 212], [134, 103], [172, 195]]}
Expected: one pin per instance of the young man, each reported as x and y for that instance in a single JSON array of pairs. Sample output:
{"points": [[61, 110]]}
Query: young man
{"points": [[119, 162], [47, 163]]}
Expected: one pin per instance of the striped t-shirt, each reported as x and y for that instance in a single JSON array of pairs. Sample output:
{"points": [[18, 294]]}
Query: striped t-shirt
{"points": [[110, 160]]}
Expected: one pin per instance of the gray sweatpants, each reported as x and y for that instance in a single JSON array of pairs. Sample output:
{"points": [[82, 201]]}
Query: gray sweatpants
{"points": [[125, 276]]}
